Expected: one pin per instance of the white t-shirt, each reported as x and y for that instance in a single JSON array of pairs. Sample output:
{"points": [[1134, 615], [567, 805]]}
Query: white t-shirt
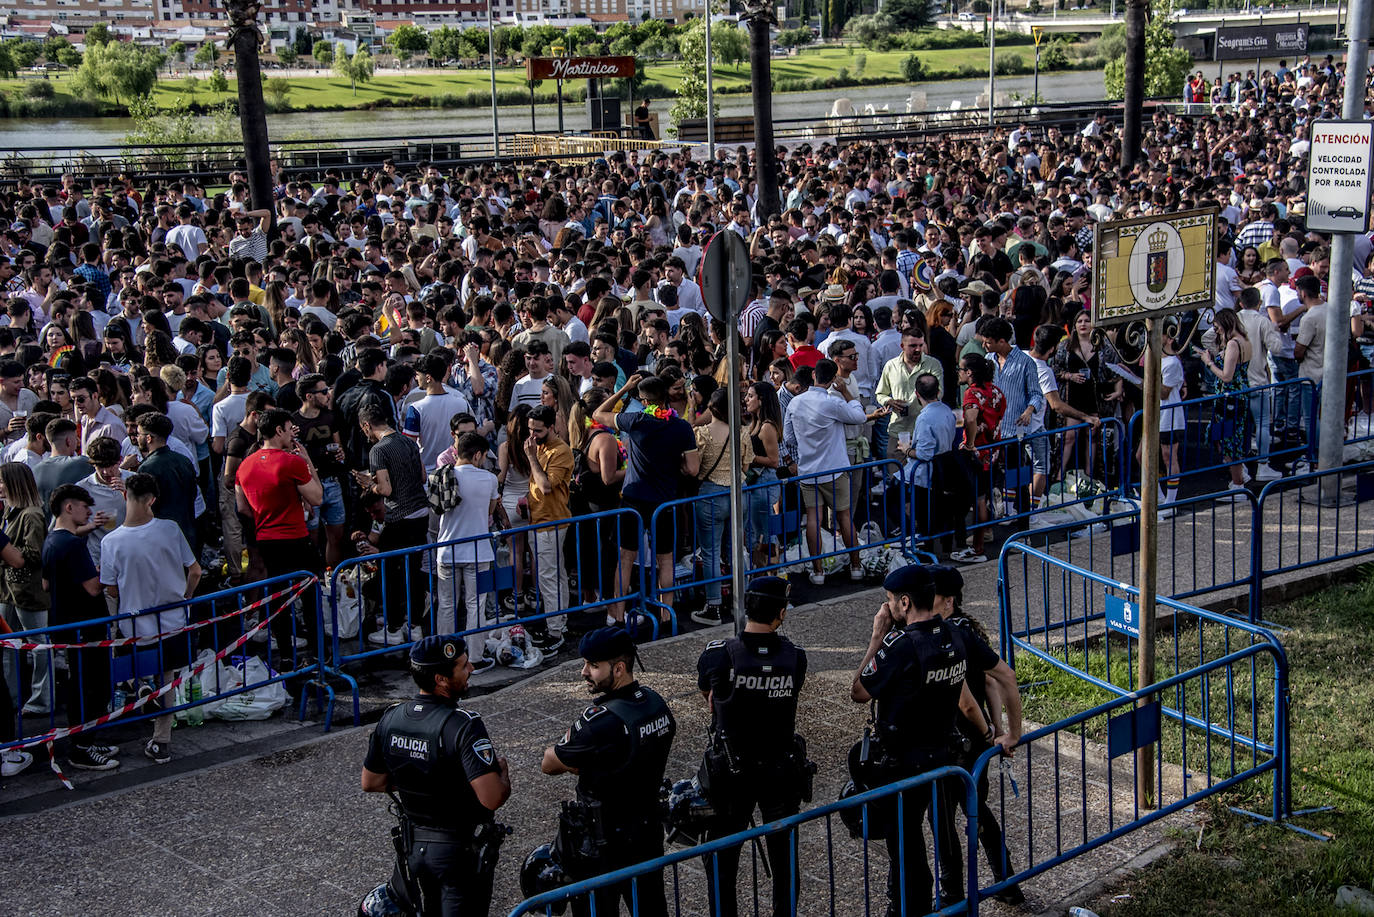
{"points": [[1047, 385], [1228, 285], [427, 421], [469, 519], [1171, 377], [148, 564], [227, 414], [527, 390], [188, 238]]}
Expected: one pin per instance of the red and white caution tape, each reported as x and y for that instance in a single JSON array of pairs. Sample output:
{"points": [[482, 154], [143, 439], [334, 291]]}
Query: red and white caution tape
{"points": [[61, 733], [16, 643]]}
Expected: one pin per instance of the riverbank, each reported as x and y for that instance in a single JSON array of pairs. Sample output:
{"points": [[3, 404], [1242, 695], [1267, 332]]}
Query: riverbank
{"points": [[813, 69]]}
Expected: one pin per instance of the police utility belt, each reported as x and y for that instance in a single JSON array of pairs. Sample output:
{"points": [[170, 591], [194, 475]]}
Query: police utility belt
{"points": [[721, 769]]}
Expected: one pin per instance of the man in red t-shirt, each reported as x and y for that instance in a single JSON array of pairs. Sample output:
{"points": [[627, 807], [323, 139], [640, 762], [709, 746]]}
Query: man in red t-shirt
{"points": [[270, 485], [984, 404]]}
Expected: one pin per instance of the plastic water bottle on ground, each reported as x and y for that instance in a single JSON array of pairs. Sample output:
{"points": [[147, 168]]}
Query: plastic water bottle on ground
{"points": [[1077, 911], [195, 716]]}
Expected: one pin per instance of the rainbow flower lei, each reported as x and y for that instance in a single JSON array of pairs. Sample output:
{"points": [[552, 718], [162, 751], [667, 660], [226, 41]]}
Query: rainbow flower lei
{"points": [[659, 413], [619, 446]]}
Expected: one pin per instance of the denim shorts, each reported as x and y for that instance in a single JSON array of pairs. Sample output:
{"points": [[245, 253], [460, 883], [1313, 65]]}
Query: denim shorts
{"points": [[331, 508], [1040, 454]]}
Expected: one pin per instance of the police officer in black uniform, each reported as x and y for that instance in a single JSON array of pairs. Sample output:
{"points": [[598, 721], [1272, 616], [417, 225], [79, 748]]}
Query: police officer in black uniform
{"points": [[618, 748], [993, 687], [441, 763], [914, 668], [752, 683]]}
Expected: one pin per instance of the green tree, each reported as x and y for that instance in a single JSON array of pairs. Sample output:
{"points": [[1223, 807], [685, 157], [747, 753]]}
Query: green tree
{"points": [[691, 94], [23, 53], [99, 34], [407, 40], [323, 53], [583, 39], [7, 66], [1166, 67], [278, 90], [729, 44], [217, 82], [69, 57], [911, 68], [874, 31], [356, 69], [909, 15], [1055, 57], [177, 50], [286, 56], [539, 38], [795, 38], [118, 71], [191, 85], [302, 42], [53, 47], [445, 43], [509, 39], [474, 43], [207, 54]]}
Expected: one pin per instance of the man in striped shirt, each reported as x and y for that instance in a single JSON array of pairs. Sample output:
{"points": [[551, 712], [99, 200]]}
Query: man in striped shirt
{"points": [[250, 241]]}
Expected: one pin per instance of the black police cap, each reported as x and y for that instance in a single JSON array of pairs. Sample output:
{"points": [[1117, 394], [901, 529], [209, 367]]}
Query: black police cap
{"points": [[437, 650], [768, 587], [909, 580], [606, 643], [948, 581]]}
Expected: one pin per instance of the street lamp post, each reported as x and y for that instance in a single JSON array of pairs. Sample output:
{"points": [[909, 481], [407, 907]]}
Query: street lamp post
{"points": [[491, 57]]}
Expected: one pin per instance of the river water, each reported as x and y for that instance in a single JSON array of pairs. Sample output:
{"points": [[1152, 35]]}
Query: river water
{"points": [[348, 126]]}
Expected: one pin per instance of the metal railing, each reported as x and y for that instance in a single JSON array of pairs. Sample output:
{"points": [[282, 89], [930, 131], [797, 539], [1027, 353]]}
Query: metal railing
{"points": [[871, 805]]}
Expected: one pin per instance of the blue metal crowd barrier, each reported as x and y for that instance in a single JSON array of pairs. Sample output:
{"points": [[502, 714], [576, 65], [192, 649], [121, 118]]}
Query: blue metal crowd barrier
{"points": [[1205, 543], [1059, 613], [216, 621], [1198, 452], [410, 588], [1328, 520], [1013, 468], [822, 846], [704, 539], [1362, 429], [1057, 796]]}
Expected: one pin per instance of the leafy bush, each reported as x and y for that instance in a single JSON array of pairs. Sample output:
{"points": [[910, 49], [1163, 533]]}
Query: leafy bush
{"points": [[39, 89], [1055, 57], [911, 68]]}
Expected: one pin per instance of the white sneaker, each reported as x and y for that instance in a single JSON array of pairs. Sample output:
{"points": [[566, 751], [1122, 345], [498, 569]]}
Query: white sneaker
{"points": [[1245, 475], [395, 637], [856, 574], [968, 556], [14, 762], [817, 579], [878, 489], [1267, 472]]}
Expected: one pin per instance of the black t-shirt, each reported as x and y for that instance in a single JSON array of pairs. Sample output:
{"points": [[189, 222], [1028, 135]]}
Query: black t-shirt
{"points": [[655, 449], [66, 565], [400, 458], [287, 399], [316, 433]]}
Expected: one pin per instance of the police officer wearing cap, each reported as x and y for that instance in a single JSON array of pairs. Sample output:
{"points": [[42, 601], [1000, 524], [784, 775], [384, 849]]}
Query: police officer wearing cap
{"points": [[751, 683], [993, 688], [618, 748], [914, 669], [440, 762]]}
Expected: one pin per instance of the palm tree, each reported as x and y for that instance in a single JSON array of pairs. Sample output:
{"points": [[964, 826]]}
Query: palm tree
{"points": [[245, 38], [1136, 13]]}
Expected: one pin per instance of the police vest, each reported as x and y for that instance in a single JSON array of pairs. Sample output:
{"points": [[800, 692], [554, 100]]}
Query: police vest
{"points": [[758, 714], [633, 786], [427, 776], [918, 716]]}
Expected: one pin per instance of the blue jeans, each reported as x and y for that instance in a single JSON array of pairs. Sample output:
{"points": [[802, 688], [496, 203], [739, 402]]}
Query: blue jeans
{"points": [[1287, 398], [711, 510], [880, 437], [758, 506], [1261, 414]]}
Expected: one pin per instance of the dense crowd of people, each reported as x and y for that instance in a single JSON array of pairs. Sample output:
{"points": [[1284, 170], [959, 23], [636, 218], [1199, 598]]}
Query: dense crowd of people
{"points": [[194, 391]]}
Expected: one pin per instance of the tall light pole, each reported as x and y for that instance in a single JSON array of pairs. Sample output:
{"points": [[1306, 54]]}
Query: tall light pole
{"points": [[491, 57], [710, 91], [1331, 438]]}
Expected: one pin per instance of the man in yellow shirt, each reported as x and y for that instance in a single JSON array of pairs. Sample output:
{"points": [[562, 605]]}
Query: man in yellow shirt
{"points": [[896, 388], [551, 465]]}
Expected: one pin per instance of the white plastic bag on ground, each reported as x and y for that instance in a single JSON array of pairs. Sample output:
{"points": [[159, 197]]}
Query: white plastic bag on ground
{"points": [[260, 702], [348, 615], [214, 679]]}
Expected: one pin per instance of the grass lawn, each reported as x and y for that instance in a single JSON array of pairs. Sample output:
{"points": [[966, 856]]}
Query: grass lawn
{"points": [[1241, 867], [329, 91]]}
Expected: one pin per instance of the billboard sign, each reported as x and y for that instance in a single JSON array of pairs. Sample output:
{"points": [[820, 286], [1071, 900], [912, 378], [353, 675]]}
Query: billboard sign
{"points": [[1249, 42], [579, 68]]}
